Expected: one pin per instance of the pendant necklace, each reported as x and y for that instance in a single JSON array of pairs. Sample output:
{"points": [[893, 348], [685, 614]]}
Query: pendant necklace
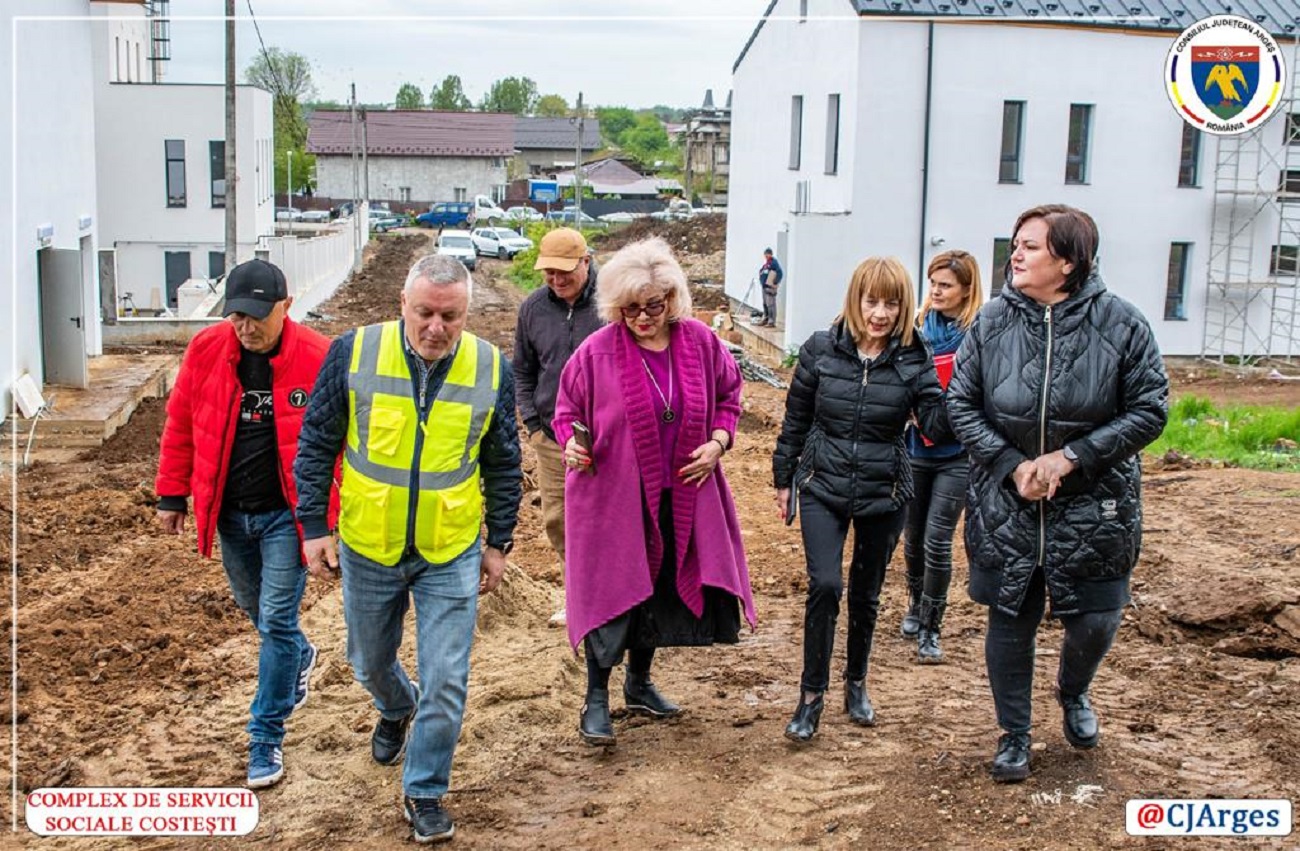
{"points": [[668, 415]]}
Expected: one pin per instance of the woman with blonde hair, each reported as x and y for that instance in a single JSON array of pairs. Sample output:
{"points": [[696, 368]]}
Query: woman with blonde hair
{"points": [[840, 460], [939, 470], [646, 408]]}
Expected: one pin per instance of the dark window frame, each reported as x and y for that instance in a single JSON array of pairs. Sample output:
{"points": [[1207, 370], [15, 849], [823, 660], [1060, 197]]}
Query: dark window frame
{"points": [[217, 171], [1013, 119], [1176, 281], [1189, 157], [832, 134], [796, 131], [1001, 254], [1078, 145], [1284, 260], [174, 173], [1291, 129]]}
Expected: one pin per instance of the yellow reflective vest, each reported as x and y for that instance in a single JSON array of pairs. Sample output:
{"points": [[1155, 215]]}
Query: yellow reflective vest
{"points": [[389, 449]]}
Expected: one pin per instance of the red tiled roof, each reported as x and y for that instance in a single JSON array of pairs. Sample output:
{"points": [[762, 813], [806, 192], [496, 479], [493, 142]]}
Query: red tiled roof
{"points": [[415, 133]]}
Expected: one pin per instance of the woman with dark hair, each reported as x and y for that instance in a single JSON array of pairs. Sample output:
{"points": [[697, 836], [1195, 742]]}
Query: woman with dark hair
{"points": [[1057, 388], [841, 455], [939, 470]]}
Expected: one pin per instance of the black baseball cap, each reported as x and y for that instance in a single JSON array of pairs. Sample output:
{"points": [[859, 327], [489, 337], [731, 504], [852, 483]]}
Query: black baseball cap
{"points": [[253, 288]]}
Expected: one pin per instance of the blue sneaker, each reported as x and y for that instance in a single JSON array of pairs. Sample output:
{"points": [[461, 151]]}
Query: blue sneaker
{"points": [[265, 765], [305, 666]]}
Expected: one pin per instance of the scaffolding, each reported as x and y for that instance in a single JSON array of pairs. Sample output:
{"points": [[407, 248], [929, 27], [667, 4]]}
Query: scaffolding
{"points": [[1252, 304], [160, 35]]}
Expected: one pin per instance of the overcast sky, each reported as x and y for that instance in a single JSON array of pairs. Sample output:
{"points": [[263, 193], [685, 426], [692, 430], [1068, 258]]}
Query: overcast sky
{"points": [[635, 53]]}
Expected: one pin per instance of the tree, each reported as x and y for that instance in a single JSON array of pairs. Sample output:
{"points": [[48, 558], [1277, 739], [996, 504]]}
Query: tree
{"points": [[552, 106], [409, 96], [287, 76], [647, 140], [449, 95], [511, 94], [614, 122]]}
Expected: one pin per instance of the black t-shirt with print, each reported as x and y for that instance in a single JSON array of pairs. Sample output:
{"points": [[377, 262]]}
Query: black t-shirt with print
{"points": [[253, 480]]}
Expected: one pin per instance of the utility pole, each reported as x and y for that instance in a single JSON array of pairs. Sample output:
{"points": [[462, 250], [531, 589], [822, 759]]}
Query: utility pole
{"points": [[577, 168], [232, 178], [289, 158], [365, 161], [356, 200]]}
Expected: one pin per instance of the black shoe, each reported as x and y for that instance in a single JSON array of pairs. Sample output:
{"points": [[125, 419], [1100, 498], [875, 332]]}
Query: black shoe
{"points": [[927, 647], [1011, 762], [388, 742], [429, 821], [803, 726], [912, 620], [930, 616], [1080, 722], [640, 695], [594, 725], [858, 704]]}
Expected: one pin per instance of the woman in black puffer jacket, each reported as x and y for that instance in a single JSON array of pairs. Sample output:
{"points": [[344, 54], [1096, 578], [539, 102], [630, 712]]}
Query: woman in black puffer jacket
{"points": [[1057, 387], [841, 455]]}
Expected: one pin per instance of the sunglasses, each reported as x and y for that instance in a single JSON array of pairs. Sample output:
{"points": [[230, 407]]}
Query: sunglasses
{"points": [[651, 309]]}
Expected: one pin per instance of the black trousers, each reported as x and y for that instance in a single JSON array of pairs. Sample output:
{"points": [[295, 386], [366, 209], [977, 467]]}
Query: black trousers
{"points": [[874, 539], [1009, 648], [932, 521]]}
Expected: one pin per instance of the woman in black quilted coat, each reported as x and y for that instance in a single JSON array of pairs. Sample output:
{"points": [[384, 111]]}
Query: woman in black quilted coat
{"points": [[1056, 389], [841, 456]]}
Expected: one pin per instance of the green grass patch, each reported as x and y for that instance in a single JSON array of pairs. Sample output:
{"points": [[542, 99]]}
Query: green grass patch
{"points": [[521, 272], [1257, 437]]}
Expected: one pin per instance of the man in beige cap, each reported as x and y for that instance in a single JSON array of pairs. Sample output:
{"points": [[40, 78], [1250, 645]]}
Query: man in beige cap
{"points": [[553, 322]]}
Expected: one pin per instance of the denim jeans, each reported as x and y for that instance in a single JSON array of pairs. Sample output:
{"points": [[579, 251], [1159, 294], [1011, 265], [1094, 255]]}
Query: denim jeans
{"points": [[932, 520], [375, 601], [874, 540], [1009, 649], [263, 560]]}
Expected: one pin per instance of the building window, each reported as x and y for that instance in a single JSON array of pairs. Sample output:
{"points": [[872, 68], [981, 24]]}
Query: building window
{"points": [[803, 10], [1189, 163], [139, 69], [796, 130], [460, 193], [1284, 260], [1288, 185], [216, 264], [1293, 129], [832, 134], [1001, 255], [175, 150], [1076, 147], [1013, 131], [117, 59], [404, 193], [1176, 281], [217, 168]]}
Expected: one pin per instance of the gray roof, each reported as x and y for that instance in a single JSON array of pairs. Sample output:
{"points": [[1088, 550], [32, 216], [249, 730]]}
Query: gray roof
{"points": [[1279, 17], [532, 132]]}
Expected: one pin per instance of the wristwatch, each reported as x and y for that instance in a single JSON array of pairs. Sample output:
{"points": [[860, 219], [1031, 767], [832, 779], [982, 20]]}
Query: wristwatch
{"points": [[505, 547], [1069, 455]]}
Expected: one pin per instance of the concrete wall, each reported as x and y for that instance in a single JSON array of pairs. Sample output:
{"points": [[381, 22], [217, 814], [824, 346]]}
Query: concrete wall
{"points": [[430, 179], [48, 173]]}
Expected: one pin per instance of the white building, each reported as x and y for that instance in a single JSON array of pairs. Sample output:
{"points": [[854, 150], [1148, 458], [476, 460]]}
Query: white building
{"points": [[47, 260], [898, 134], [160, 155]]}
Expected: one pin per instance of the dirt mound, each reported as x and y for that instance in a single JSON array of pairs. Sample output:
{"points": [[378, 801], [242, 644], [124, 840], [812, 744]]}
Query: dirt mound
{"points": [[373, 294], [700, 235], [138, 442]]}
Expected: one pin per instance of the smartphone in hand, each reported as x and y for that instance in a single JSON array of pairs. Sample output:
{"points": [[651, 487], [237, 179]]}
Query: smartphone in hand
{"points": [[582, 436]]}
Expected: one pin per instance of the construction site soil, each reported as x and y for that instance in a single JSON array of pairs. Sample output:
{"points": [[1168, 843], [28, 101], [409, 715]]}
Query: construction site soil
{"points": [[135, 668]]}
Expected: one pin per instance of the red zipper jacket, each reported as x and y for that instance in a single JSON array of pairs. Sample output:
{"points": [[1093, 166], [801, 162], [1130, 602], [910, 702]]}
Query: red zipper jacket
{"points": [[204, 409]]}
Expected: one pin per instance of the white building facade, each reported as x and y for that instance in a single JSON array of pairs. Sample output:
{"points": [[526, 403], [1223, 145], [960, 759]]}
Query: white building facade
{"points": [[910, 136], [413, 179]]}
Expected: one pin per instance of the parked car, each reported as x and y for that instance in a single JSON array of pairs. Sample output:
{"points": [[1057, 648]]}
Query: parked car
{"points": [[456, 214], [316, 215], [486, 211], [382, 221], [621, 218], [523, 214], [458, 244], [286, 214], [500, 242], [677, 210], [570, 216]]}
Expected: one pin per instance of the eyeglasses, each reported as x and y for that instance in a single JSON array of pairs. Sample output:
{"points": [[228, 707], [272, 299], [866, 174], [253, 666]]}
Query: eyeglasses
{"points": [[651, 309]]}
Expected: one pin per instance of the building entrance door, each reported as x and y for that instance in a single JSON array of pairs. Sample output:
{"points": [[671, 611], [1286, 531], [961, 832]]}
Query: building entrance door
{"points": [[63, 324]]}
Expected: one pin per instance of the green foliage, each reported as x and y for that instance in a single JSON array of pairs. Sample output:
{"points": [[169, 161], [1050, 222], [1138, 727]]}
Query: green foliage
{"points": [[791, 357], [668, 114], [304, 170], [409, 96], [1257, 437], [552, 106], [282, 73], [614, 122], [511, 94], [521, 270], [287, 76], [647, 140], [449, 95]]}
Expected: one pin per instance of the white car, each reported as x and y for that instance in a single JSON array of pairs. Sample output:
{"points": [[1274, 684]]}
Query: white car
{"points": [[458, 244], [621, 218], [523, 214], [316, 215], [500, 242]]}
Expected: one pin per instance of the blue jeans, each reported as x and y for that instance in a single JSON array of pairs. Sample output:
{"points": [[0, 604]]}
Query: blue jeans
{"points": [[375, 600], [263, 560]]}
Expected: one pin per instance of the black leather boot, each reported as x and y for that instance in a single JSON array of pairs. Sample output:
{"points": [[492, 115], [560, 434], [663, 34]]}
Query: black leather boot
{"points": [[927, 640], [803, 725], [1080, 722], [858, 704], [1011, 762], [594, 725], [912, 619], [640, 695]]}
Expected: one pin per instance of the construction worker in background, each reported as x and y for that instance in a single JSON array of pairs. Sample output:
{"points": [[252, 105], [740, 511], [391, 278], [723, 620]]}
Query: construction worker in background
{"points": [[769, 278]]}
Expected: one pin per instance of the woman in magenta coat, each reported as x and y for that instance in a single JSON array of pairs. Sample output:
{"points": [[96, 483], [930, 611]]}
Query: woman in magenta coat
{"points": [[654, 556]]}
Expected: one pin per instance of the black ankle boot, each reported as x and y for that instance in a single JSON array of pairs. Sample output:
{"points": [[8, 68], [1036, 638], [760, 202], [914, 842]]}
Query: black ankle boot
{"points": [[594, 725], [912, 619], [803, 725], [640, 695], [1080, 722], [927, 640], [858, 704], [1011, 762]]}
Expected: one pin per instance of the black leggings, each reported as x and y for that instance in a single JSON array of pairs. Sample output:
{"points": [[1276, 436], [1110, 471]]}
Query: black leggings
{"points": [[1009, 653], [932, 521], [639, 660]]}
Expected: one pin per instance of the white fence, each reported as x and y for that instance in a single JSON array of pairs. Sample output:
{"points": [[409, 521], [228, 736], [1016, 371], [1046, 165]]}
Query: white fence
{"points": [[314, 267]]}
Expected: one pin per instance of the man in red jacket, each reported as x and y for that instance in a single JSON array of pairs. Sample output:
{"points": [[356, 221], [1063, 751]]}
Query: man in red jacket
{"points": [[229, 442]]}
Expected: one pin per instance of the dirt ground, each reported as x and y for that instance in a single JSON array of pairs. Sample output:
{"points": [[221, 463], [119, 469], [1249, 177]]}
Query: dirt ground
{"points": [[136, 669]]}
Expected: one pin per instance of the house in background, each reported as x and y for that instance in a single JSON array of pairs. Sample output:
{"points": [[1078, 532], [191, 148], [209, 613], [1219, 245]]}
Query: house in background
{"points": [[610, 177], [545, 145], [414, 156], [926, 126], [706, 140], [160, 157]]}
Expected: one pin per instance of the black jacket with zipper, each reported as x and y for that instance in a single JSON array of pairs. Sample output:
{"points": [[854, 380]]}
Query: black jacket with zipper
{"points": [[842, 438], [1029, 380]]}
